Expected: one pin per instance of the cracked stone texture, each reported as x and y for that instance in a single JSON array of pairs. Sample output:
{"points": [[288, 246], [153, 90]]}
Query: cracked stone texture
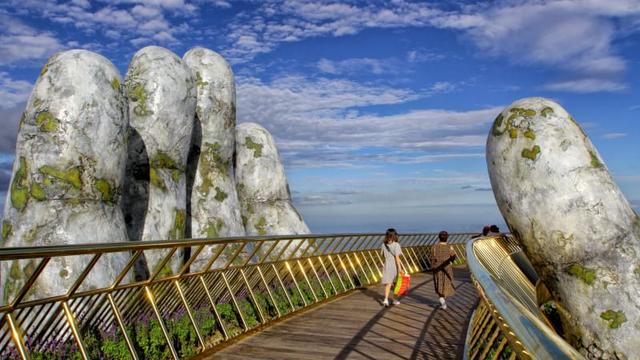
{"points": [[160, 89], [575, 225], [64, 190], [262, 185]]}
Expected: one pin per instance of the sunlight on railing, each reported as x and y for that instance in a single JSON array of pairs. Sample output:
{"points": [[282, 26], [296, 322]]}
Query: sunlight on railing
{"points": [[508, 323], [240, 286]]}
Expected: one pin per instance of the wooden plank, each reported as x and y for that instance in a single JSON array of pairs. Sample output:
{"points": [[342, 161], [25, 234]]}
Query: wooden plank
{"points": [[358, 327]]}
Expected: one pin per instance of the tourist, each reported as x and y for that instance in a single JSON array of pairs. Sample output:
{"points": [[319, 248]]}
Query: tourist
{"points": [[442, 257], [392, 265], [493, 230], [485, 231]]}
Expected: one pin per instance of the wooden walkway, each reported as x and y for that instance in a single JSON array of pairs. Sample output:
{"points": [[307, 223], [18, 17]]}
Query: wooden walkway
{"points": [[358, 327]]}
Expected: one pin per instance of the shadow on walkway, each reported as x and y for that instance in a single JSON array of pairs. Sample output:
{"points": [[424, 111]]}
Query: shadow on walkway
{"points": [[358, 327]]}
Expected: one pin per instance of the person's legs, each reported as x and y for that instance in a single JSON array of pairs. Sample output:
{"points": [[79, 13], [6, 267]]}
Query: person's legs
{"points": [[387, 290]]}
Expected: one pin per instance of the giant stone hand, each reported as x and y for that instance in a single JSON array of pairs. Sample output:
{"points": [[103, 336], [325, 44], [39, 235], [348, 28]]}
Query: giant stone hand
{"points": [[575, 225]]}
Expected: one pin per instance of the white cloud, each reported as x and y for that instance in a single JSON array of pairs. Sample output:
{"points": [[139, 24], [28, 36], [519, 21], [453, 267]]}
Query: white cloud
{"points": [[325, 122], [13, 92], [586, 85], [615, 135], [20, 42], [349, 66], [575, 37]]}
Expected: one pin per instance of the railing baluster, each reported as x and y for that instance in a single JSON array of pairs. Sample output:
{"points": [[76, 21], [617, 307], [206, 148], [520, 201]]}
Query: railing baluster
{"points": [[195, 325], [266, 285], [253, 298], [225, 335], [18, 337], [284, 289], [122, 327], [71, 321]]}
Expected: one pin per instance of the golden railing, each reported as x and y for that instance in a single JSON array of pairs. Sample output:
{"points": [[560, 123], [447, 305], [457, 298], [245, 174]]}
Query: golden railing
{"points": [[245, 284], [508, 323]]}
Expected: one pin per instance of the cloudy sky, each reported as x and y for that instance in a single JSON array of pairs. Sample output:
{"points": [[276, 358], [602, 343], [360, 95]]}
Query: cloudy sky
{"points": [[380, 109]]}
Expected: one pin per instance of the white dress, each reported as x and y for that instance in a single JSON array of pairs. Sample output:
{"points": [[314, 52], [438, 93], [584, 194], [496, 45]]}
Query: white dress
{"points": [[390, 272]]}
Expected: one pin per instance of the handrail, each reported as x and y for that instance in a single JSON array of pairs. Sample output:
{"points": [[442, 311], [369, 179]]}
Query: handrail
{"points": [[224, 289], [508, 311]]}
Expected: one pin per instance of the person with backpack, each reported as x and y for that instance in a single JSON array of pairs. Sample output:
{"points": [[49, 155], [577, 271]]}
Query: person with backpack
{"points": [[391, 251]]}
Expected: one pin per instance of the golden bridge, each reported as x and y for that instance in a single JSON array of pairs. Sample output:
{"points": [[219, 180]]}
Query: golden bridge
{"points": [[280, 297]]}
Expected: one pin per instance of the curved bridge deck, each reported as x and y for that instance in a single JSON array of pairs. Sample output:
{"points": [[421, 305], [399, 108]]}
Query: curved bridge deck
{"points": [[357, 327]]}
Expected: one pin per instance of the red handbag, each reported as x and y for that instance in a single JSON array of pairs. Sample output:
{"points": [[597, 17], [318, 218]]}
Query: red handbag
{"points": [[402, 285]]}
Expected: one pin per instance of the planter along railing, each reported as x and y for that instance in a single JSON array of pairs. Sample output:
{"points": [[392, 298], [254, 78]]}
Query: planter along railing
{"points": [[244, 284]]}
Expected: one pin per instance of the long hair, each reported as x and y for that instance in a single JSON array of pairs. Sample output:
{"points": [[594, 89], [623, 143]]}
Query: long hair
{"points": [[390, 236]]}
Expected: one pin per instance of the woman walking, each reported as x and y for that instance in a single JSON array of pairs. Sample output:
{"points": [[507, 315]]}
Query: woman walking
{"points": [[441, 262], [392, 265]]}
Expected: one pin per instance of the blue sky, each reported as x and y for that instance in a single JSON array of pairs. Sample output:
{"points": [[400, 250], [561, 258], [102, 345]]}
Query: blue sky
{"points": [[380, 109]]}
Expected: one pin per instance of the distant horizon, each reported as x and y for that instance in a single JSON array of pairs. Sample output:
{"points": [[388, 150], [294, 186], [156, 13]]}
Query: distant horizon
{"points": [[380, 110]]}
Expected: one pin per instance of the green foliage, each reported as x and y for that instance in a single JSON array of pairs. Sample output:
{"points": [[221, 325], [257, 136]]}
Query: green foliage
{"points": [[184, 335], [249, 312]]}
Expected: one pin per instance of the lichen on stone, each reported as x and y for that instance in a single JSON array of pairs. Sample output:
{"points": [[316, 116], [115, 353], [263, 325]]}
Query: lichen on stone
{"points": [[7, 229], [585, 274], [106, 190], [256, 147], [615, 318], [532, 153], [523, 112], [163, 161], [595, 162], [210, 161], [213, 228], [179, 223], [115, 84], [199, 81], [496, 124], [20, 186], [513, 133], [71, 176], [47, 122], [37, 192], [220, 195], [529, 134], [155, 179], [137, 94], [546, 111], [260, 226], [175, 175]]}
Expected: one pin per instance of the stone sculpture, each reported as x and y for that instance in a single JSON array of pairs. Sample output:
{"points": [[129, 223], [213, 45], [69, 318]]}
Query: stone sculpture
{"points": [[575, 225], [161, 92], [263, 190], [67, 176], [215, 211]]}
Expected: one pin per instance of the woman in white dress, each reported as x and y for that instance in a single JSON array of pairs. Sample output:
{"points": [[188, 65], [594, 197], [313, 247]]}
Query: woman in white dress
{"points": [[392, 266]]}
